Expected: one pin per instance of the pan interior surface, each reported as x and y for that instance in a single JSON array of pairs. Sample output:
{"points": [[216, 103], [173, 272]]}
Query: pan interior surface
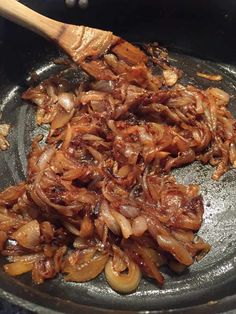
{"points": [[211, 279]]}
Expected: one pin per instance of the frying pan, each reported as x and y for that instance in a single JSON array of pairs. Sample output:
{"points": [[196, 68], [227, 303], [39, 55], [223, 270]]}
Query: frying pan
{"points": [[193, 31]]}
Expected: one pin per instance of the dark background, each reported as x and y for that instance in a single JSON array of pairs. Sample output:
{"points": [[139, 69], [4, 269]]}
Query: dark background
{"points": [[205, 28]]}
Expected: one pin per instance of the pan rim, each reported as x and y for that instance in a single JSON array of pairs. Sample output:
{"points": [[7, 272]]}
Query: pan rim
{"points": [[222, 305]]}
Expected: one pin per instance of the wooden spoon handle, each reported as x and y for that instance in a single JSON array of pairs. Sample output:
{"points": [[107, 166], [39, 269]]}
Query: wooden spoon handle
{"points": [[20, 14], [79, 42]]}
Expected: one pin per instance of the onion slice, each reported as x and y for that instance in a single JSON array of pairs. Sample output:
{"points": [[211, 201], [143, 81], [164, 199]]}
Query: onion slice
{"points": [[67, 101], [109, 219], [89, 270], [122, 282], [175, 248], [18, 268], [124, 224], [28, 235], [211, 77]]}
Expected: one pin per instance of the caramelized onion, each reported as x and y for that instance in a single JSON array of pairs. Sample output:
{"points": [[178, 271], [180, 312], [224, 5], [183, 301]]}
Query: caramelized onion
{"points": [[99, 186], [119, 259], [219, 94], [175, 248], [170, 77], [4, 130], [177, 267], [30, 258], [67, 101], [44, 159], [139, 226], [211, 77], [61, 119], [110, 221], [18, 268], [87, 271], [103, 86], [11, 194], [28, 235], [232, 154], [129, 211], [123, 283], [72, 229], [150, 259], [3, 238], [123, 222]]}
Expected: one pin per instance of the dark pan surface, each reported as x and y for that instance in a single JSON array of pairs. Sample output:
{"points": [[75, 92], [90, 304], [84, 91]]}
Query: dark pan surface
{"points": [[210, 280]]}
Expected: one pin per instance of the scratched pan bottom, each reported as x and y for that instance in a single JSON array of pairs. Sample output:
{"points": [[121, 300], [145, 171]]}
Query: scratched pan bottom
{"points": [[204, 284]]}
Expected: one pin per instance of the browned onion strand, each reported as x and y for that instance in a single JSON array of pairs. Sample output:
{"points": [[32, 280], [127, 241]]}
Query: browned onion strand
{"points": [[4, 131], [99, 194]]}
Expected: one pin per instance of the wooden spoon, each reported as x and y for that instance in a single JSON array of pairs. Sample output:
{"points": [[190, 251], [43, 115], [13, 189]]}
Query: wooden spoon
{"points": [[79, 42]]}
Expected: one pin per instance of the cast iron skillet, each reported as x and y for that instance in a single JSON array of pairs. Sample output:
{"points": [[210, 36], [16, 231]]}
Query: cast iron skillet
{"points": [[202, 28]]}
